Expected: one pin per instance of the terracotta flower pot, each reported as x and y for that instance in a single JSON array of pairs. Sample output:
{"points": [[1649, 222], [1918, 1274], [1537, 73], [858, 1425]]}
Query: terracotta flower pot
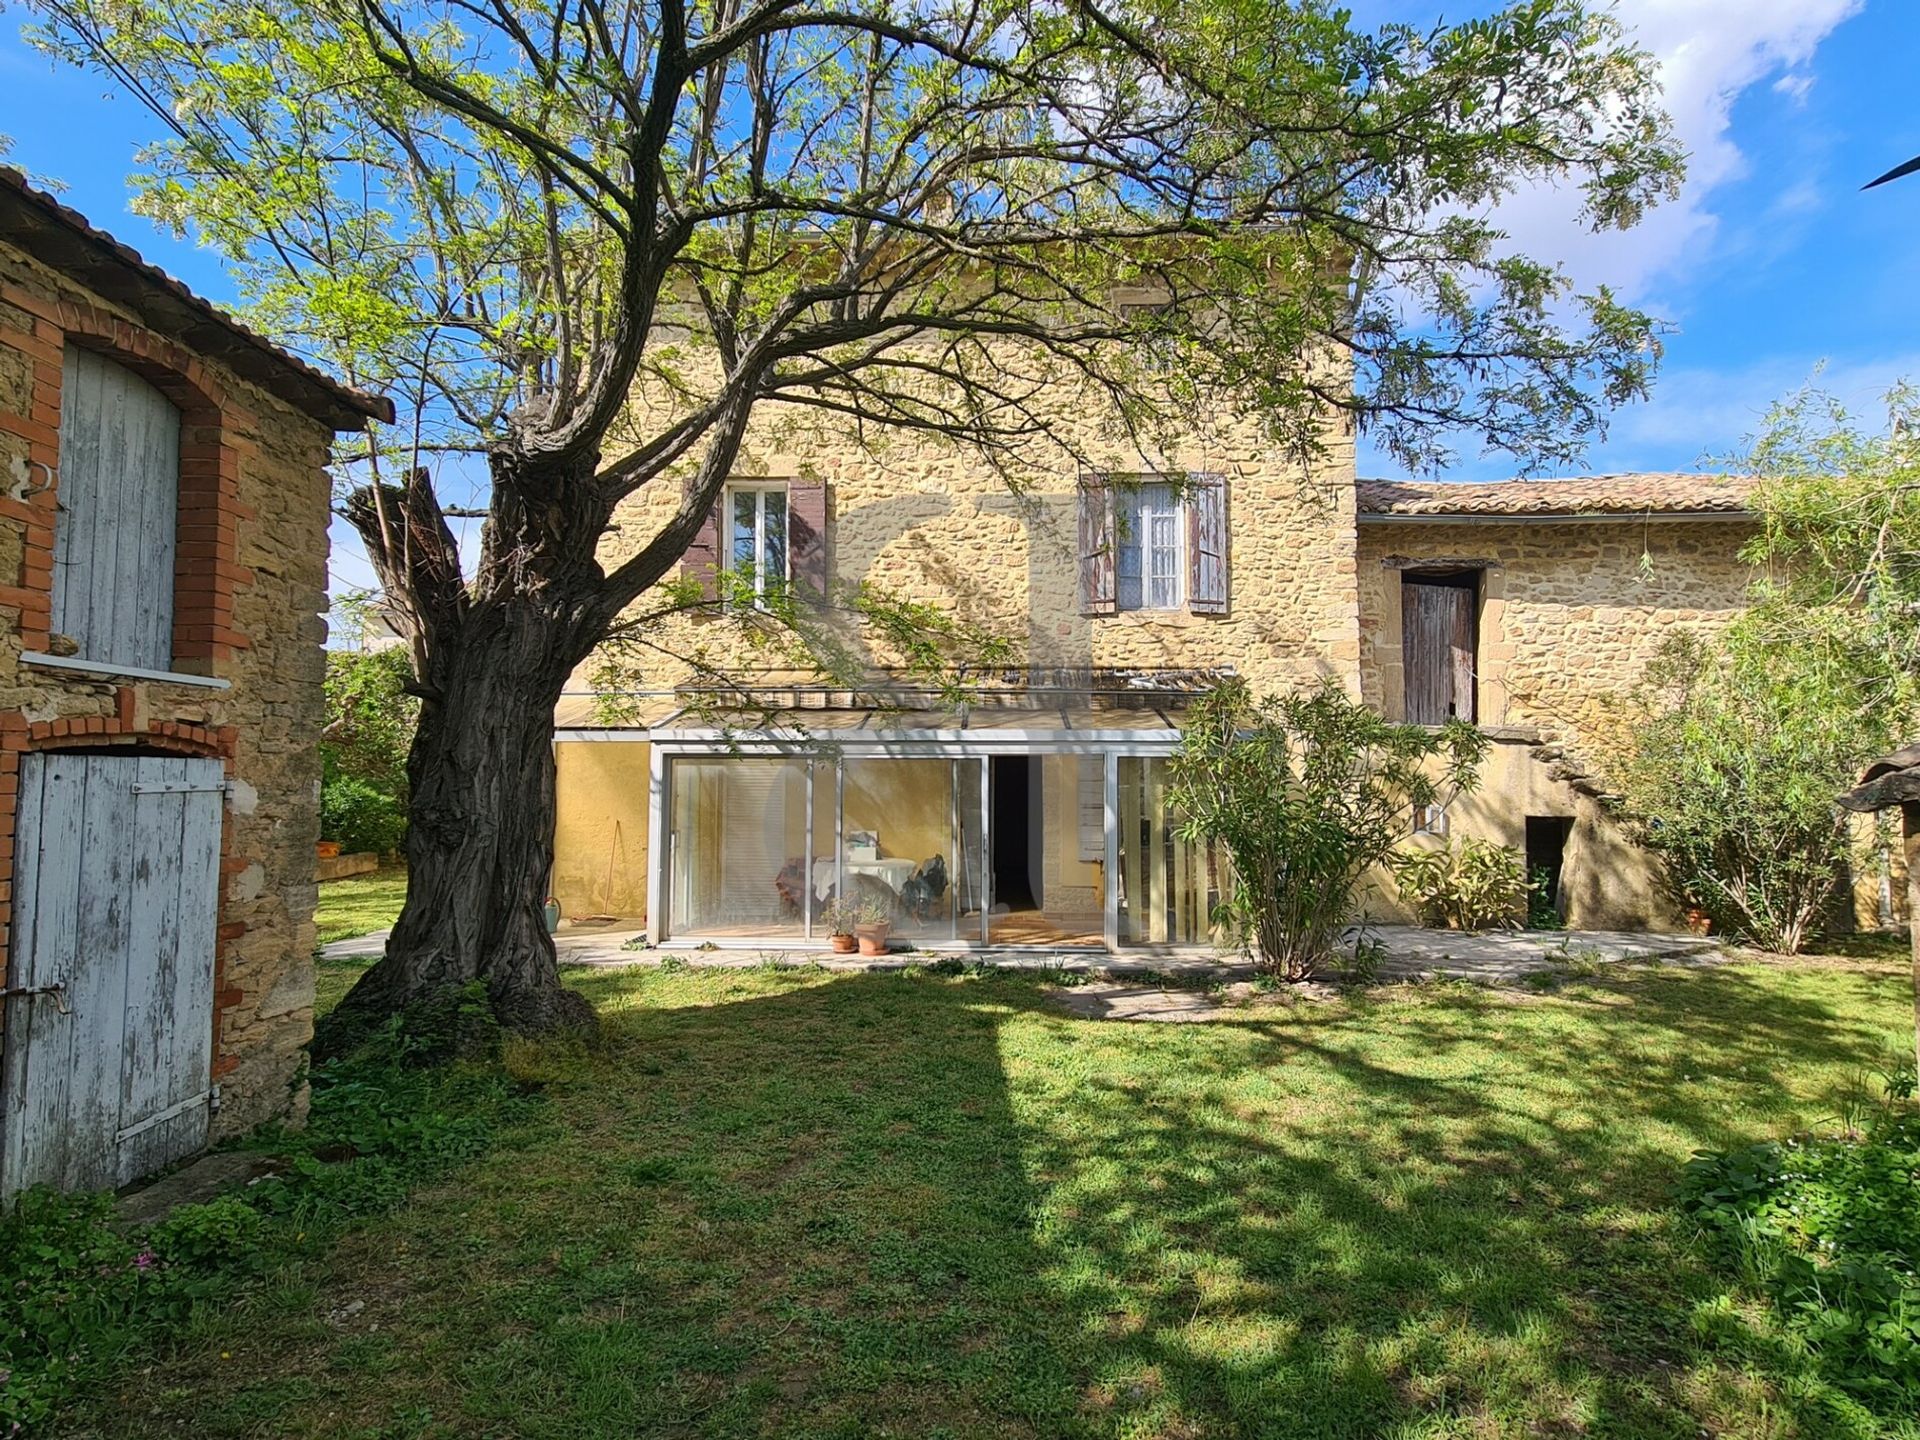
{"points": [[840, 944], [873, 939]]}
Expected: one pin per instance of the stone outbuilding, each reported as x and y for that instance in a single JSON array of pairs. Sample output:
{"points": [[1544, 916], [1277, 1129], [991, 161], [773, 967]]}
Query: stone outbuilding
{"points": [[163, 551]]}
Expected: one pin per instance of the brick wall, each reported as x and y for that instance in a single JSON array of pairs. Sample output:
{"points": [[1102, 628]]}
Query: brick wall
{"points": [[250, 581]]}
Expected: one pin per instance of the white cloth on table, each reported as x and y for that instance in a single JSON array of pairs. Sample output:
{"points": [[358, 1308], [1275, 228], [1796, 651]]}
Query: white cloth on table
{"points": [[894, 873]]}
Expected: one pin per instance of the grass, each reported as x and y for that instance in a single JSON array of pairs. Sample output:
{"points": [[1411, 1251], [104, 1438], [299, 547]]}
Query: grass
{"points": [[778, 1203], [359, 904]]}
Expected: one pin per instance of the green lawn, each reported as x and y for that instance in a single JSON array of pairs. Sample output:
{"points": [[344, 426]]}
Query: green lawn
{"points": [[360, 904], [788, 1204]]}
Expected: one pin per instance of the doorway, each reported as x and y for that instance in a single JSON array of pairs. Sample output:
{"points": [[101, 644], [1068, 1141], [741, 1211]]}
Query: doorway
{"points": [[1546, 858], [1016, 842], [1439, 645], [109, 1022]]}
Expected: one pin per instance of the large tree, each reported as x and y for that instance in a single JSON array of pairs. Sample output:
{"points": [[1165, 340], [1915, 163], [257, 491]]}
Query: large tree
{"points": [[910, 213]]}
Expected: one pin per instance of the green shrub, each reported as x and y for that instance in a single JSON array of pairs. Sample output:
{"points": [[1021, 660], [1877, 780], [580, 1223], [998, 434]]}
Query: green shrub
{"points": [[1306, 792], [361, 817], [1471, 885], [1830, 1230], [71, 1296], [370, 716], [1739, 748]]}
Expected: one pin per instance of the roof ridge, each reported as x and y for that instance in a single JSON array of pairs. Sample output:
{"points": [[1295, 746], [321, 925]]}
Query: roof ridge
{"points": [[303, 382]]}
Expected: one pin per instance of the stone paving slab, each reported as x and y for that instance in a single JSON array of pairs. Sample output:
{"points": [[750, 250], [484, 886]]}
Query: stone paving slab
{"points": [[192, 1184], [1406, 952]]}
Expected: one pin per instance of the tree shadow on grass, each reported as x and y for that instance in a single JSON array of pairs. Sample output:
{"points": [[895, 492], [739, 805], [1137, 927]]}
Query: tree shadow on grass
{"points": [[798, 1206]]}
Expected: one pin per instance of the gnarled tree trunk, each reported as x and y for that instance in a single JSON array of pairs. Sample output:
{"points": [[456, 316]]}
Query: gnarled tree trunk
{"points": [[493, 657]]}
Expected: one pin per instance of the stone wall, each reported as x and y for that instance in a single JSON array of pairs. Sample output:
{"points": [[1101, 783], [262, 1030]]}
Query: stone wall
{"points": [[250, 586], [1571, 613], [1572, 610], [929, 520]]}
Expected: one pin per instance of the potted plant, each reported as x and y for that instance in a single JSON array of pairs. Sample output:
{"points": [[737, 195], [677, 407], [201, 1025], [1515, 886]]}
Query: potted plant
{"points": [[840, 916], [871, 925]]}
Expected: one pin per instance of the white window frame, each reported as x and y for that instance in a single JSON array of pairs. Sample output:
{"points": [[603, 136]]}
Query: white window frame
{"points": [[1132, 515], [760, 489]]}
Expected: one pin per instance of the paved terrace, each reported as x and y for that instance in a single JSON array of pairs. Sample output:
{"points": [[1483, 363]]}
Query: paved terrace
{"points": [[1407, 952]]}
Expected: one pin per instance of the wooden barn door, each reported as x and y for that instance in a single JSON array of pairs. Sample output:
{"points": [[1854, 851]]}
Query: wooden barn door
{"points": [[109, 1018], [1440, 624]]}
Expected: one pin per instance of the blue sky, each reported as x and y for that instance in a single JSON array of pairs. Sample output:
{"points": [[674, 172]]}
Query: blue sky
{"points": [[1772, 263]]}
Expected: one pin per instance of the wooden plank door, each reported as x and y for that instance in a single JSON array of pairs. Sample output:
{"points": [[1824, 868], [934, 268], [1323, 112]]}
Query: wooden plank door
{"points": [[119, 498], [116, 899], [1439, 619]]}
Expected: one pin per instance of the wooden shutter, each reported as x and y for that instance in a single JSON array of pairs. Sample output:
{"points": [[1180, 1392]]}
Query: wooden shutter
{"points": [[119, 499], [807, 536], [1439, 625], [116, 900], [1099, 591], [1207, 545], [1091, 796], [701, 561]]}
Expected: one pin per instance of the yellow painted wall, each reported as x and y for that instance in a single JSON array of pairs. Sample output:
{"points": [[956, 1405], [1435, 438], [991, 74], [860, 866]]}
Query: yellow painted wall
{"points": [[908, 804], [601, 828]]}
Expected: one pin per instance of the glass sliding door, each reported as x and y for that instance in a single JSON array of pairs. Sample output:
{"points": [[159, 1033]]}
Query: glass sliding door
{"points": [[1168, 887], [899, 847], [969, 850], [741, 855]]}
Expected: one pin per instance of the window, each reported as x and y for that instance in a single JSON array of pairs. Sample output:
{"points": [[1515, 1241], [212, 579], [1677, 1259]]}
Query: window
{"points": [[1149, 541], [757, 534], [1430, 820]]}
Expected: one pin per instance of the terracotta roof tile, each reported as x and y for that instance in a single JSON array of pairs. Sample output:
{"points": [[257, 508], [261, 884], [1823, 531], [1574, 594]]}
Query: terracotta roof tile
{"points": [[48, 230], [1644, 494]]}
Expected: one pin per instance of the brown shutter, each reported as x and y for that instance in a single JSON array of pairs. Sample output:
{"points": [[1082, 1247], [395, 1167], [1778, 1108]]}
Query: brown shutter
{"points": [[807, 536], [1438, 619], [701, 561], [1463, 655], [1207, 545], [1099, 580]]}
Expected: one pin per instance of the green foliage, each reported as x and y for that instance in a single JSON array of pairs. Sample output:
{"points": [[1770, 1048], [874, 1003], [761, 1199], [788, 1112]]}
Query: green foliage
{"points": [[1829, 1229], [1543, 910], [1469, 885], [1739, 747], [1840, 540], [370, 718], [361, 817], [467, 211], [1306, 792], [843, 917], [836, 639], [75, 1294]]}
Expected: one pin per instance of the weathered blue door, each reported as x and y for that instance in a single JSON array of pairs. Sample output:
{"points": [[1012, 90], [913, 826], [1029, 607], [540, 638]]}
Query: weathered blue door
{"points": [[109, 1009]]}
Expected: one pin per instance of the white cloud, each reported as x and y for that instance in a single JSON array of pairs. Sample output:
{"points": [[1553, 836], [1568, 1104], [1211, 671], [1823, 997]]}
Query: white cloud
{"points": [[1709, 52]]}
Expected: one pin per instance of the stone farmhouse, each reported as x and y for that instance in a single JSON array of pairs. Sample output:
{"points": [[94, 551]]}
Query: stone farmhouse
{"points": [[1036, 813], [163, 548]]}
